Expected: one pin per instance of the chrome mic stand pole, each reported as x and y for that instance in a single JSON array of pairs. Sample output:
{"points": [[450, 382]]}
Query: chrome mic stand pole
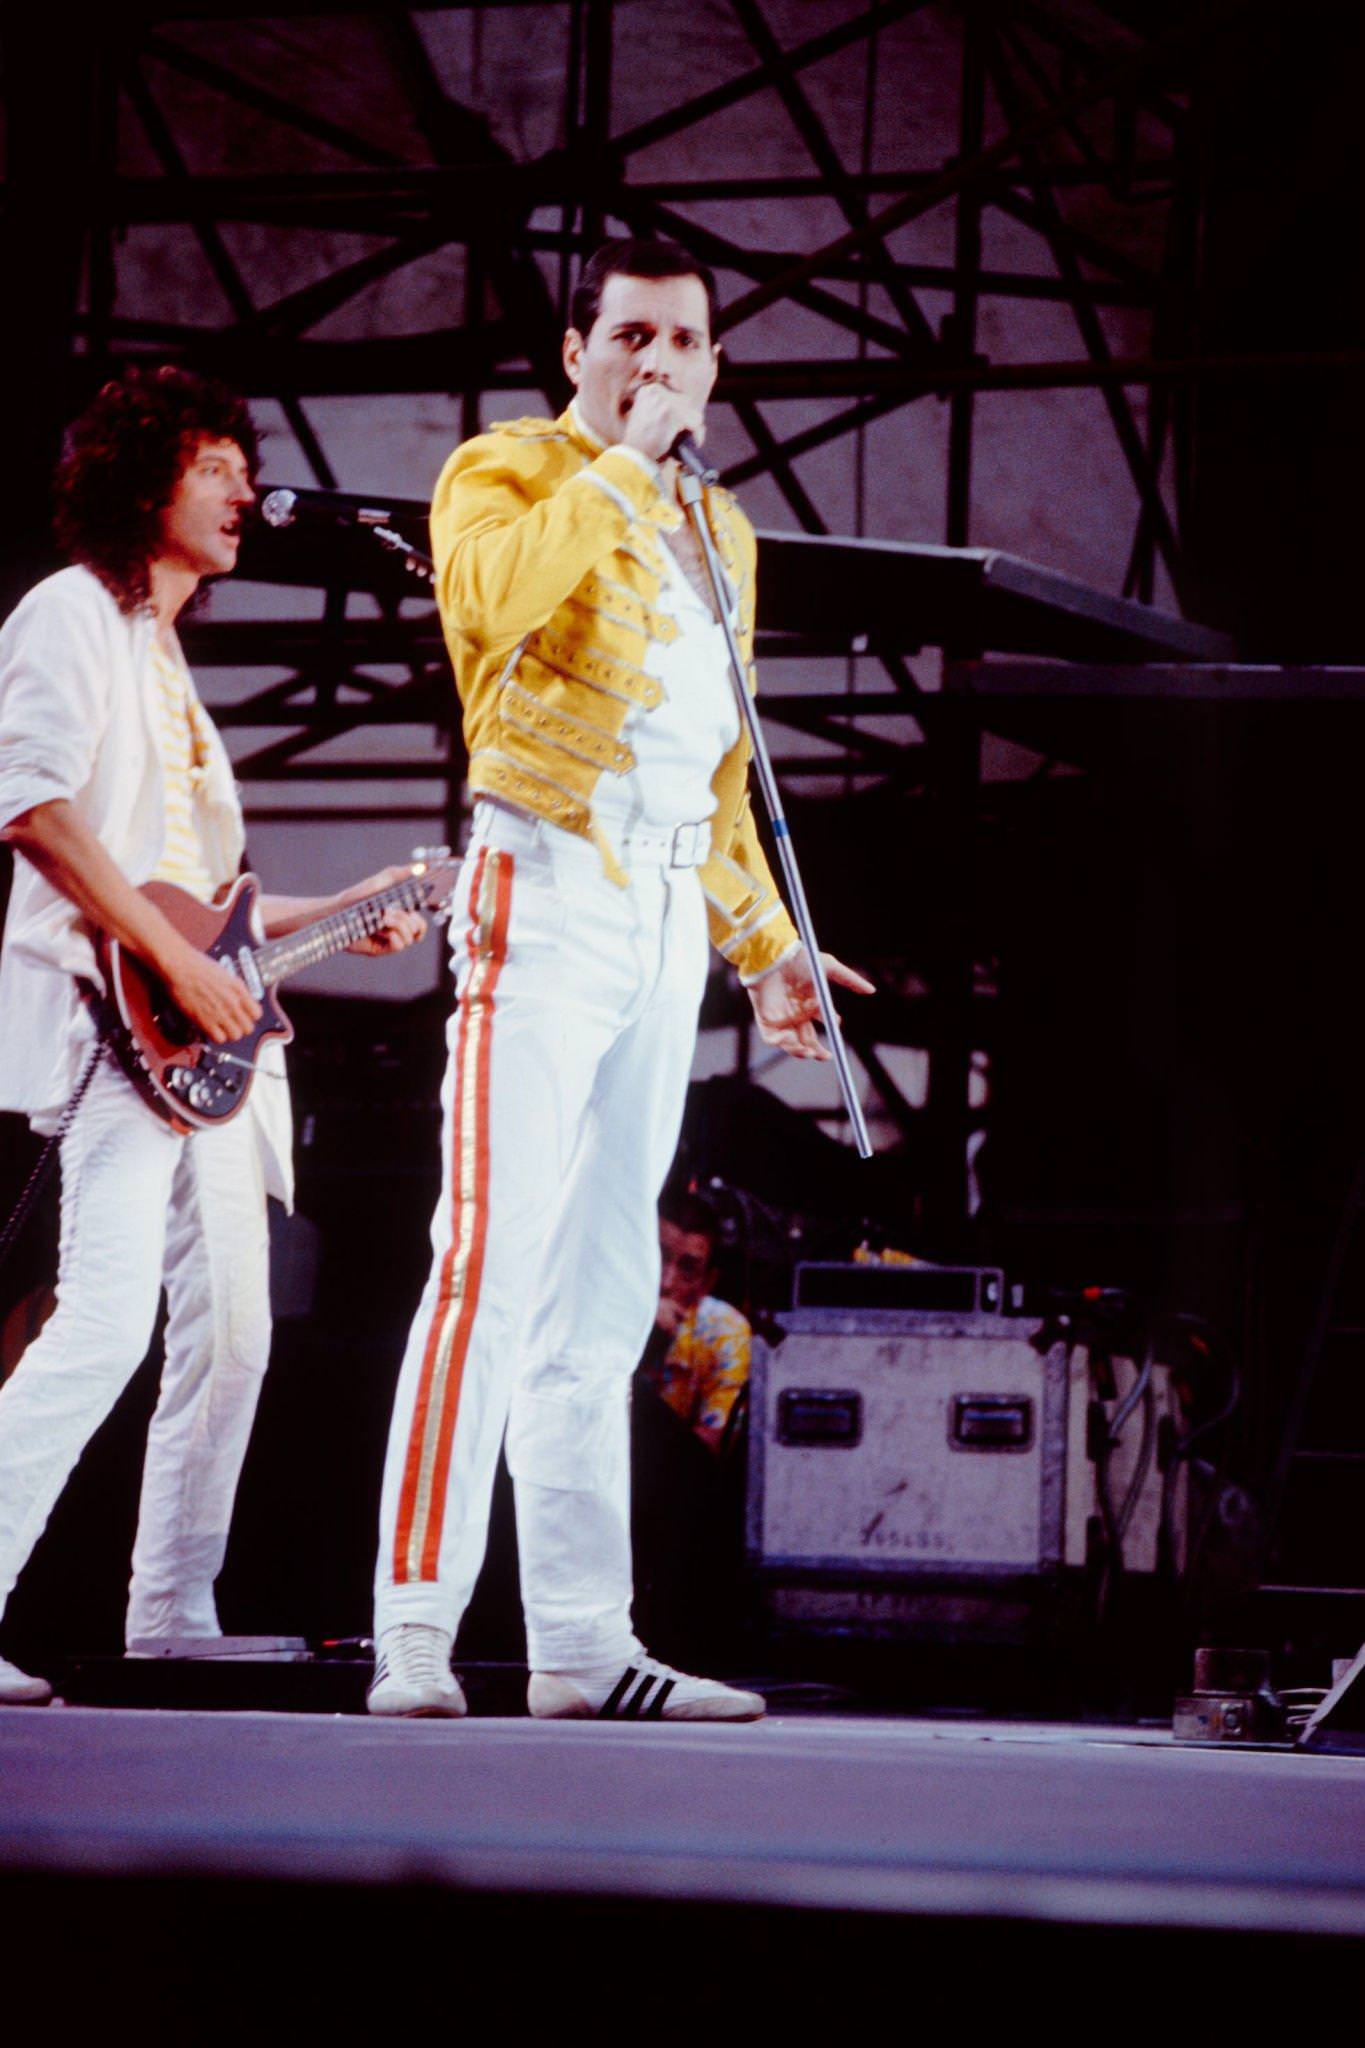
{"points": [[692, 475]]}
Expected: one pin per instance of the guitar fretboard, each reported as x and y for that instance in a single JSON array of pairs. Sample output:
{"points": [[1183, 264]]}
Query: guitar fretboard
{"points": [[304, 948]]}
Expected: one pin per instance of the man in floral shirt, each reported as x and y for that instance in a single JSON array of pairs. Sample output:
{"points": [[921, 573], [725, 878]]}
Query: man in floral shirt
{"points": [[698, 1359]]}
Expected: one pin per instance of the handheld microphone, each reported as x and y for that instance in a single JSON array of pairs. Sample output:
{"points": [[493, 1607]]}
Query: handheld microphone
{"points": [[318, 508], [686, 451]]}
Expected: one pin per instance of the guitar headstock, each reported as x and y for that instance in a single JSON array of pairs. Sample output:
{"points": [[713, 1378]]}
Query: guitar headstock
{"points": [[436, 868]]}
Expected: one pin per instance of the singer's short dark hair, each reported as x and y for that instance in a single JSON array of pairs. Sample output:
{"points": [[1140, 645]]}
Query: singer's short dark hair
{"points": [[640, 257], [123, 459]]}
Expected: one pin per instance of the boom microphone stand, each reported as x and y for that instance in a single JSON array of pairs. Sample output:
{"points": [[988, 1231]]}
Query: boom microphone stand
{"points": [[693, 475]]}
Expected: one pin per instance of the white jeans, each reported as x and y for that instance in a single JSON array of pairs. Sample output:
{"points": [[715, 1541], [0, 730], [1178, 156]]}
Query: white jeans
{"points": [[141, 1206], [570, 1052]]}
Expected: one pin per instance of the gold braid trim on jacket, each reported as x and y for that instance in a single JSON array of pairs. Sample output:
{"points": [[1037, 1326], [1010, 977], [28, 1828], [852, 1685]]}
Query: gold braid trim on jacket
{"points": [[548, 574]]}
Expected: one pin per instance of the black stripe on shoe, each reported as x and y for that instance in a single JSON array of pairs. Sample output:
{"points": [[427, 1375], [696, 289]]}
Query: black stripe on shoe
{"points": [[632, 1710], [610, 1705], [655, 1710]]}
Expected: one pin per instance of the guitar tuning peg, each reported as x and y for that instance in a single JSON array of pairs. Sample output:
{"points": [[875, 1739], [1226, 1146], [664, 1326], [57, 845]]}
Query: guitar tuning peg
{"points": [[429, 855]]}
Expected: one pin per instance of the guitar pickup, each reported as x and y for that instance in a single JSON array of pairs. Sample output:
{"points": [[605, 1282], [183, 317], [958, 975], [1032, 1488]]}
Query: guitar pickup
{"points": [[250, 973]]}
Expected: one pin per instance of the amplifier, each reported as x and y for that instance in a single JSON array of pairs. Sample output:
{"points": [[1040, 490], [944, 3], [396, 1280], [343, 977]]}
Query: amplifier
{"points": [[897, 1448]]}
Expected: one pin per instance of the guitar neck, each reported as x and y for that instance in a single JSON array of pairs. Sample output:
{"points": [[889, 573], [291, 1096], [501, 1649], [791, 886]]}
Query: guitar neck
{"points": [[279, 958]]}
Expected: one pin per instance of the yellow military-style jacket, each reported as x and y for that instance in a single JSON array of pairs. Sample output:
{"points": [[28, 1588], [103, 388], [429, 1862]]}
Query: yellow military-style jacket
{"points": [[549, 569]]}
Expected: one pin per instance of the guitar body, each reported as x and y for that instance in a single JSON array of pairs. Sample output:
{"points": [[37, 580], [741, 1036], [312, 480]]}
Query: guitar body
{"points": [[189, 1082]]}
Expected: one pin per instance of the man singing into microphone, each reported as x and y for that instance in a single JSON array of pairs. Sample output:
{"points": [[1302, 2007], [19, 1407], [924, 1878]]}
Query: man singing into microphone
{"points": [[612, 833]]}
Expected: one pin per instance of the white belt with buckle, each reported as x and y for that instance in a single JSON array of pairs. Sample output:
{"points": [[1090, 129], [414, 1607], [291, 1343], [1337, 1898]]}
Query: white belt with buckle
{"points": [[686, 846]]}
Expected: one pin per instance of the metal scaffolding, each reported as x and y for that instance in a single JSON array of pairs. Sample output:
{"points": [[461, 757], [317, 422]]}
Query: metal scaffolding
{"points": [[1046, 113], [1071, 124]]}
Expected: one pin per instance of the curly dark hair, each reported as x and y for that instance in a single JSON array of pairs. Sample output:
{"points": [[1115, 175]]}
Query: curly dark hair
{"points": [[123, 459]]}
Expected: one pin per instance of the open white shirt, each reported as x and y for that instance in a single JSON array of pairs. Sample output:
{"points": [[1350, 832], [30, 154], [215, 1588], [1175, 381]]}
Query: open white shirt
{"points": [[680, 743], [78, 721]]}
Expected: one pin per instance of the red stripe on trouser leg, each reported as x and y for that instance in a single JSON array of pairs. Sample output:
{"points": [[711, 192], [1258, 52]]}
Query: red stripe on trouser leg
{"points": [[470, 1293], [421, 1507], [407, 1502]]}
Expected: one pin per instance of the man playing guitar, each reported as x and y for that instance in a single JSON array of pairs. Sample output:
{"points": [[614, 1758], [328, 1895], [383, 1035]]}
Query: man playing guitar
{"points": [[111, 777]]}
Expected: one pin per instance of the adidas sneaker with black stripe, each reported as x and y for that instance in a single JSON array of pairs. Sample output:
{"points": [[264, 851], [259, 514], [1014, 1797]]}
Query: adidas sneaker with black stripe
{"points": [[645, 1691]]}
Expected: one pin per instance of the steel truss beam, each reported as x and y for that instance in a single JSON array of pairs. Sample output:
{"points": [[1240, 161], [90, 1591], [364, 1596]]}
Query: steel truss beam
{"points": [[1048, 117], [474, 196], [1146, 479], [1167, 54], [396, 200]]}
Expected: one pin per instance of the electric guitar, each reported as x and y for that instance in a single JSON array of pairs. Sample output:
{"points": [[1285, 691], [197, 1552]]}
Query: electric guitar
{"points": [[190, 1082]]}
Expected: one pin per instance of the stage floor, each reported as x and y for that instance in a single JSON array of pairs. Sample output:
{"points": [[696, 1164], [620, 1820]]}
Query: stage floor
{"points": [[1088, 1825]]}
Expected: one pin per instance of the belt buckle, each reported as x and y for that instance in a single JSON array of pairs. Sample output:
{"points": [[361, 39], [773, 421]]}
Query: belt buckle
{"points": [[686, 849]]}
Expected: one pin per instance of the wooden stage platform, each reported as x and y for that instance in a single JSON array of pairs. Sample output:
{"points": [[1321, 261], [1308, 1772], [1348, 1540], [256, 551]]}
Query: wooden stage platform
{"points": [[1101, 1825], [997, 1864]]}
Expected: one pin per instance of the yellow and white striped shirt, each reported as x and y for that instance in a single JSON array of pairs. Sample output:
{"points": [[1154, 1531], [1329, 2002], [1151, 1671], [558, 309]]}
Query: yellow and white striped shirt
{"points": [[184, 755]]}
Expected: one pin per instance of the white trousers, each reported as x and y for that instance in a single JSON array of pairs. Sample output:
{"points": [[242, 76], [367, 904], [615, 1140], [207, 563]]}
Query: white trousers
{"points": [[570, 1051], [141, 1206]]}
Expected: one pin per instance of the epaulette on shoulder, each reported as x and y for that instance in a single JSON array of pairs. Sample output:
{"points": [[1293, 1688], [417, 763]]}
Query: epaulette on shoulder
{"points": [[530, 429]]}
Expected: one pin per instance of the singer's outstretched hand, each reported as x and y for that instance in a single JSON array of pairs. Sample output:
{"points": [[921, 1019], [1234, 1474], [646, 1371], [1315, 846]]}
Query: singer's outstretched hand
{"points": [[787, 1007]]}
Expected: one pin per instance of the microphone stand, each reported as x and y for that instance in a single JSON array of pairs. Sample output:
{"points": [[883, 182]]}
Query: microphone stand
{"points": [[414, 561], [693, 475], [283, 508]]}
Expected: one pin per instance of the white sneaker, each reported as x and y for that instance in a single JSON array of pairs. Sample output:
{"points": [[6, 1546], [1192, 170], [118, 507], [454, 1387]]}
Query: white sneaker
{"points": [[17, 1689], [412, 1673], [645, 1691]]}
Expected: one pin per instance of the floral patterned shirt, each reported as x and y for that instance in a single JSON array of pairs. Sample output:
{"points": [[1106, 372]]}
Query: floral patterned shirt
{"points": [[705, 1367]]}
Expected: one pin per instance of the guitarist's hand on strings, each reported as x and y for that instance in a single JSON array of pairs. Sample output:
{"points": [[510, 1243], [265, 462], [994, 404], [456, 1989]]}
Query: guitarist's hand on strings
{"points": [[59, 843], [211, 997], [400, 927]]}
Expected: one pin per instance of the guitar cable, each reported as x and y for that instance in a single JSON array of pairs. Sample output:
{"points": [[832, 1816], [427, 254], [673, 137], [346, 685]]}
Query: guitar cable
{"points": [[33, 1186]]}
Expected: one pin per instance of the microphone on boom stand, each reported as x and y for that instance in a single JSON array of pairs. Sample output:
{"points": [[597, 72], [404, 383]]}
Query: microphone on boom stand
{"points": [[686, 451], [695, 475], [320, 508]]}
